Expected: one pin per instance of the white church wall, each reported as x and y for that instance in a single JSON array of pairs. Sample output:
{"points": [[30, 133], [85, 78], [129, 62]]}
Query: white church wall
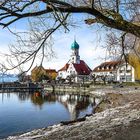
{"points": [[71, 70], [62, 74]]}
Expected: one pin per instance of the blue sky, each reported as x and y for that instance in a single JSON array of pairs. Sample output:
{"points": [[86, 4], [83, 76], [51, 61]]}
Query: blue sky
{"points": [[90, 47], [89, 39]]}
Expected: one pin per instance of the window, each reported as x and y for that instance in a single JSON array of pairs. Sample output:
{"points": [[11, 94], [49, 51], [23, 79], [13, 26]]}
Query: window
{"points": [[121, 71], [128, 71], [128, 78], [122, 78]]}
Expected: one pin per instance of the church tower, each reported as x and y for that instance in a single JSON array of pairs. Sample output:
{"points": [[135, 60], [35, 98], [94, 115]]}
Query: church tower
{"points": [[75, 58]]}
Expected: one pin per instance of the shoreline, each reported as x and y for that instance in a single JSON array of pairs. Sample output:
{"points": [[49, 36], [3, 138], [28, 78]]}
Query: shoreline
{"points": [[119, 112]]}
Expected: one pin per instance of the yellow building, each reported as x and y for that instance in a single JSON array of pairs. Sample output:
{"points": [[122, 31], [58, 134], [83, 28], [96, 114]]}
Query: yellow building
{"points": [[51, 73], [39, 73]]}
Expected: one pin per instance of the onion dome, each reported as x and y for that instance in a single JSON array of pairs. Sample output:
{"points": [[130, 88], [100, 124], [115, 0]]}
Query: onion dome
{"points": [[74, 45]]}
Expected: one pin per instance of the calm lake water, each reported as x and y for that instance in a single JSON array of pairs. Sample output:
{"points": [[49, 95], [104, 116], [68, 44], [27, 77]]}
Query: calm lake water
{"points": [[22, 112]]}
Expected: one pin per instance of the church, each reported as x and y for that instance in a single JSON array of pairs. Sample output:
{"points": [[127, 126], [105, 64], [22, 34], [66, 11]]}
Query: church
{"points": [[75, 67]]}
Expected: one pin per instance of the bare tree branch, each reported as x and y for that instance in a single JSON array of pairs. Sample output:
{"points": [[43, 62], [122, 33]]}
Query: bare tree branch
{"points": [[65, 7], [53, 15]]}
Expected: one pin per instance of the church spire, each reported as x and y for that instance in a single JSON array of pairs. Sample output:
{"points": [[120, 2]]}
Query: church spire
{"points": [[74, 45], [75, 58], [75, 38]]}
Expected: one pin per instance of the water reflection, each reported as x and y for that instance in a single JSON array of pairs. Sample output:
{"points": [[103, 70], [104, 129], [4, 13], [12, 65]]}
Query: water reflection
{"points": [[74, 103], [23, 96], [42, 109]]}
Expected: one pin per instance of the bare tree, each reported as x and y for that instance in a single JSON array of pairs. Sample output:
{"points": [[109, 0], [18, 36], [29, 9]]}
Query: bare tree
{"points": [[116, 14], [121, 45], [108, 12], [125, 47]]}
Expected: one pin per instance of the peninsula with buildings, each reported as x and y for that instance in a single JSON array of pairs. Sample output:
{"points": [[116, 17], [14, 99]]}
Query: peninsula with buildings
{"points": [[77, 70]]}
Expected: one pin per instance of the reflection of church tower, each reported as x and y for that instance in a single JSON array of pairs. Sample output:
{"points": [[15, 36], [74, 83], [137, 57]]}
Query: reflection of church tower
{"points": [[75, 58], [72, 110], [70, 102]]}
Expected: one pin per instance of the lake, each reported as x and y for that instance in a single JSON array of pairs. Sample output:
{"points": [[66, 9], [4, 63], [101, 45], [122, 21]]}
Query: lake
{"points": [[22, 112]]}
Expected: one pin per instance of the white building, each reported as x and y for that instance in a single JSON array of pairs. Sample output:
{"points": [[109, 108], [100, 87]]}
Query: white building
{"points": [[115, 71], [75, 67]]}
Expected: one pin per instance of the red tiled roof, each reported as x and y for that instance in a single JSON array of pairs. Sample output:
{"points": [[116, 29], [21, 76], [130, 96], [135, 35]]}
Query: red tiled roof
{"points": [[103, 67], [82, 68], [64, 68]]}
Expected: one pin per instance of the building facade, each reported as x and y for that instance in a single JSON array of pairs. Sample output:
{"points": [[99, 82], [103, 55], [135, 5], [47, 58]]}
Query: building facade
{"points": [[52, 74], [118, 71], [75, 68], [39, 73]]}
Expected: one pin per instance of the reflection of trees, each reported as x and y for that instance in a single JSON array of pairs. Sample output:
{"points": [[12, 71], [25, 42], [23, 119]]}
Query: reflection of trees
{"points": [[50, 98], [23, 96], [37, 100], [73, 103], [2, 96]]}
